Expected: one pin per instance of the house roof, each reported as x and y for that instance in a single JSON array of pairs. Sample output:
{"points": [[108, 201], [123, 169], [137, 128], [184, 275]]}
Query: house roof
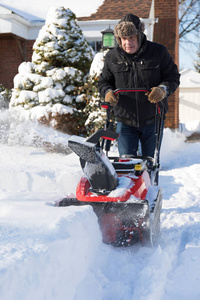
{"points": [[99, 15], [15, 23], [189, 79], [26, 16], [40, 8], [116, 9]]}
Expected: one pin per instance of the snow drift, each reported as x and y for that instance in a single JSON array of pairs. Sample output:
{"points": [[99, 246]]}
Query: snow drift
{"points": [[50, 252]]}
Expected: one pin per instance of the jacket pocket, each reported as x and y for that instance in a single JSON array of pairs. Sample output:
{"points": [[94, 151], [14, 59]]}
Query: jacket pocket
{"points": [[121, 73], [149, 73], [149, 65], [119, 66]]}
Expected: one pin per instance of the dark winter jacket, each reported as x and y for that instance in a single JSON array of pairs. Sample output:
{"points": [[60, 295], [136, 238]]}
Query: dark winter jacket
{"points": [[150, 67]]}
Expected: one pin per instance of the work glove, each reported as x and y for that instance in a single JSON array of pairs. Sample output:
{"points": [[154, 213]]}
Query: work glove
{"points": [[157, 94], [111, 98]]}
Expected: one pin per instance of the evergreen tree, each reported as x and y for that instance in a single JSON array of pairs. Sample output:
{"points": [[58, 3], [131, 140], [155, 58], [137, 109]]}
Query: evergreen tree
{"points": [[57, 73], [5, 95], [60, 42]]}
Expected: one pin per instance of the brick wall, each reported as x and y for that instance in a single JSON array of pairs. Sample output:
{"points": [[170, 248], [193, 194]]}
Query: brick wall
{"points": [[29, 49], [11, 58], [166, 33]]}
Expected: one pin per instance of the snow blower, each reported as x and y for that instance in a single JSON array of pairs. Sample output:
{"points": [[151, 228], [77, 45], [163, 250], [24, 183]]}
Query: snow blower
{"points": [[121, 190]]}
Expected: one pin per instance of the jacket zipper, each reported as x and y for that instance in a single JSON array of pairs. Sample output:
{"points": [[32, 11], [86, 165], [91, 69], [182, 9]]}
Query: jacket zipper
{"points": [[136, 96]]}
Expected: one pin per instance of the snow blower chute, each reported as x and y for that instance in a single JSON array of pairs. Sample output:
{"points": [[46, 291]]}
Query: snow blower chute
{"points": [[121, 190]]}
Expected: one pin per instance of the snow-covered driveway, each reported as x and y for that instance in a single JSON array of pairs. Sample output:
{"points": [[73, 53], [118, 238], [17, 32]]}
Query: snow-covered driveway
{"points": [[56, 253]]}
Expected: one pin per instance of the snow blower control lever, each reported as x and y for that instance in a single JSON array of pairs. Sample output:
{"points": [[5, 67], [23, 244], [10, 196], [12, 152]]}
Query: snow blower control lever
{"points": [[109, 125]]}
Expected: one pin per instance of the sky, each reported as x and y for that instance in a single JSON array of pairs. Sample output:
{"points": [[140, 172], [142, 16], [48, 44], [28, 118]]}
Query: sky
{"points": [[187, 53], [40, 9], [187, 57]]}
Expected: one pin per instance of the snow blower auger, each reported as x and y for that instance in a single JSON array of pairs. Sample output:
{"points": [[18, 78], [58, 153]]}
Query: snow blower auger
{"points": [[121, 190]]}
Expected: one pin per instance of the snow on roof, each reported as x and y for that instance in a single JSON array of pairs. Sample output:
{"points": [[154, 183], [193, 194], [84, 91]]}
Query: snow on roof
{"points": [[189, 79], [40, 8], [23, 14]]}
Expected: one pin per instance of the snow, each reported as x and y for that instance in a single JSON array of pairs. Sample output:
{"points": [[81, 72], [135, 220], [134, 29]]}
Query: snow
{"points": [[50, 252], [97, 63], [41, 82], [20, 12], [124, 184], [189, 79]]}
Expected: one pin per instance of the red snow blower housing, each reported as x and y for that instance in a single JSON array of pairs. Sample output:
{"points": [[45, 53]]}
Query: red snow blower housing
{"points": [[121, 190]]}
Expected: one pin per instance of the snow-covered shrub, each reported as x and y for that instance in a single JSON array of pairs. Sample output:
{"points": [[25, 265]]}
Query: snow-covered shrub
{"points": [[96, 115], [58, 72], [61, 43], [5, 95]]}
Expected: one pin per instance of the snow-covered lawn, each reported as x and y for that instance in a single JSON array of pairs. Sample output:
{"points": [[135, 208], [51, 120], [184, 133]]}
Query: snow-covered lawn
{"points": [[56, 253]]}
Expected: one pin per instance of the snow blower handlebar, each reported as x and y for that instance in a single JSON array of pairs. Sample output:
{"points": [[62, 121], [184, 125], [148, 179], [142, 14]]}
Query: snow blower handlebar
{"points": [[107, 105], [158, 122], [109, 126], [131, 90]]}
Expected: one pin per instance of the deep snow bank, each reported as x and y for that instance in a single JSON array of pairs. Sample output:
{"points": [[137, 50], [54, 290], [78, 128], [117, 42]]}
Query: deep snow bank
{"points": [[46, 251], [50, 252]]}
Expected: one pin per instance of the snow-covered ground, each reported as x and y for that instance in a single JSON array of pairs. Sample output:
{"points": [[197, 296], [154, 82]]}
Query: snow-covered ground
{"points": [[56, 253]]}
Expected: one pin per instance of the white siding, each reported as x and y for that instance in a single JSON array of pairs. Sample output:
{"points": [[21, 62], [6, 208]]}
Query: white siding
{"points": [[189, 104]]}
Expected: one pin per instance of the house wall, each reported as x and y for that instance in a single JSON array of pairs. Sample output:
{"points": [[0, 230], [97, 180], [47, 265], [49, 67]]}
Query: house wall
{"points": [[10, 60], [189, 104], [12, 53], [166, 33], [29, 49]]}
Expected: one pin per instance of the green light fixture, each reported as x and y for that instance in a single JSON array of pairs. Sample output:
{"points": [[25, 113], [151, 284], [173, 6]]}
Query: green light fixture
{"points": [[108, 38]]}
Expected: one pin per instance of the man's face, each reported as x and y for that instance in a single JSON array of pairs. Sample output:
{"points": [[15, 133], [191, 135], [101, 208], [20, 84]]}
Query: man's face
{"points": [[130, 44]]}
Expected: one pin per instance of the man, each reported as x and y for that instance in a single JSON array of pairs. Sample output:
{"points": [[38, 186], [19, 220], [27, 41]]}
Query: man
{"points": [[134, 63]]}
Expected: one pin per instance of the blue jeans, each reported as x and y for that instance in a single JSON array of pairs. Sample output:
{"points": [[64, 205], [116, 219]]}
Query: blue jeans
{"points": [[128, 141]]}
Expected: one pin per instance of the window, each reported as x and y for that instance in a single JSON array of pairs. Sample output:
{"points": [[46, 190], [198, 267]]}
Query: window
{"points": [[96, 45]]}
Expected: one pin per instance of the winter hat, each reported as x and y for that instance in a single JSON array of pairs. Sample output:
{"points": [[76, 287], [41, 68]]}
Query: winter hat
{"points": [[129, 25]]}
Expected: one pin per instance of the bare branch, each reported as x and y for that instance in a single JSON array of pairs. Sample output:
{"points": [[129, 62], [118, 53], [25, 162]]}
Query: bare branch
{"points": [[189, 17]]}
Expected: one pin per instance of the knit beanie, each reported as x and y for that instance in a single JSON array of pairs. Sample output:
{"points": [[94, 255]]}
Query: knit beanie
{"points": [[129, 25]]}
